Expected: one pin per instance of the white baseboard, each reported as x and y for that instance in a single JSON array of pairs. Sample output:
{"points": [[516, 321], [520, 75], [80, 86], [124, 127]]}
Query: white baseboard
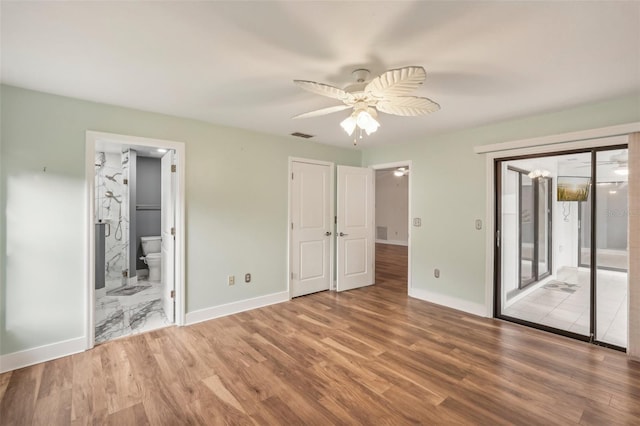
{"points": [[28, 357], [449, 301], [393, 242], [235, 307]]}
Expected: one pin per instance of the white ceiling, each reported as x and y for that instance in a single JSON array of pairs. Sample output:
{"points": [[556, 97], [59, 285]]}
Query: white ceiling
{"points": [[232, 63]]}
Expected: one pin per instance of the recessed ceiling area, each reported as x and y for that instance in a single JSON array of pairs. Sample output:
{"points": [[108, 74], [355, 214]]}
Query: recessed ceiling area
{"points": [[233, 63]]}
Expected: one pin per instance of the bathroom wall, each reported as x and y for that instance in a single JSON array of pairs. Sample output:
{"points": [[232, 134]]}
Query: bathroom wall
{"points": [[148, 185]]}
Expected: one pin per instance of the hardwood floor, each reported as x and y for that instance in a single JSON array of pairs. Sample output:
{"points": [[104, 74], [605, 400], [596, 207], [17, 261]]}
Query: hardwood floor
{"points": [[370, 356]]}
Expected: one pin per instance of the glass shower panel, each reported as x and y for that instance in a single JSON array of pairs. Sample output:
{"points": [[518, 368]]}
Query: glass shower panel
{"points": [[612, 259]]}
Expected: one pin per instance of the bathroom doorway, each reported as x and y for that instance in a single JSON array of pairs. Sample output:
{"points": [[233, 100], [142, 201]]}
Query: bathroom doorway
{"points": [[135, 250]]}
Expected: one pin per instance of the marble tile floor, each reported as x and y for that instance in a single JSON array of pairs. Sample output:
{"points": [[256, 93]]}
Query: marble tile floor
{"points": [[119, 316], [570, 311]]}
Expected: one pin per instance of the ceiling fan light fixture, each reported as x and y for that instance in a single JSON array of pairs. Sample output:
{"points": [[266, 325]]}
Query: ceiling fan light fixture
{"points": [[400, 171], [539, 173], [622, 171], [349, 124], [365, 120]]}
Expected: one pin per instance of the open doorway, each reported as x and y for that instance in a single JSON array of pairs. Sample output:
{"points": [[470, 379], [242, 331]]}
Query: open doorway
{"points": [[134, 258], [392, 225]]}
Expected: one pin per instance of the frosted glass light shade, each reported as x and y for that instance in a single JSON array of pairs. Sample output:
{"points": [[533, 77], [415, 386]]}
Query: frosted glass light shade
{"points": [[362, 119], [349, 124]]}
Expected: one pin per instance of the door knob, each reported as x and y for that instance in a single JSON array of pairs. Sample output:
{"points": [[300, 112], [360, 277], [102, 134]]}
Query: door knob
{"points": [[342, 234], [327, 233]]}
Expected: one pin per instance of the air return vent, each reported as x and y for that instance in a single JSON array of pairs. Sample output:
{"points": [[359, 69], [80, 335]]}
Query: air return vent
{"points": [[301, 135]]}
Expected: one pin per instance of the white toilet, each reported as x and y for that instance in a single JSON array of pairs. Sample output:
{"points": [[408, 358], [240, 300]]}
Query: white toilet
{"points": [[152, 247]]}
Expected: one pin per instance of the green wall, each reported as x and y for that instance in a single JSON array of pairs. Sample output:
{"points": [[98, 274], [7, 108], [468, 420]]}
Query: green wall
{"points": [[449, 191], [236, 201], [236, 209]]}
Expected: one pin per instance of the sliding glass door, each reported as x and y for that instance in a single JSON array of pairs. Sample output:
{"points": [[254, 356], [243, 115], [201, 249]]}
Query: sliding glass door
{"points": [[531, 198], [561, 238]]}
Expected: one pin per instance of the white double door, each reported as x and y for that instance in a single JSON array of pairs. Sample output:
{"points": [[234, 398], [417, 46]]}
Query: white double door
{"points": [[313, 232]]}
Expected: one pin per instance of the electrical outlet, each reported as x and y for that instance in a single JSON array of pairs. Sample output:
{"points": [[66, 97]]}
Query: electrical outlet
{"points": [[247, 278], [231, 279], [417, 221]]}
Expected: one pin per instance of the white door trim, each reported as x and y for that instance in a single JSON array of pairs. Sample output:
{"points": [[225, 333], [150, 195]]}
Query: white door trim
{"points": [[409, 164], [490, 157], [92, 138], [331, 209]]}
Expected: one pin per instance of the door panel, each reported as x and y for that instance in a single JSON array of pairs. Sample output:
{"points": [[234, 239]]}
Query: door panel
{"points": [[527, 231], [355, 241], [310, 221], [611, 248], [167, 224]]}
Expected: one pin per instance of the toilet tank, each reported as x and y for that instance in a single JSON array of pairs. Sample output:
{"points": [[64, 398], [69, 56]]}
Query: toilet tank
{"points": [[151, 244]]}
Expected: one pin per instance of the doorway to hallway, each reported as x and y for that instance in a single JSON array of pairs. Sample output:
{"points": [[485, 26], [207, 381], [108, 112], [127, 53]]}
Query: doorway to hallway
{"points": [[392, 213]]}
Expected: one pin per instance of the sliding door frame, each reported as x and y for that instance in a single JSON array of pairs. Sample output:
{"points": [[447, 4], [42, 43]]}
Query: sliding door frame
{"points": [[497, 273]]}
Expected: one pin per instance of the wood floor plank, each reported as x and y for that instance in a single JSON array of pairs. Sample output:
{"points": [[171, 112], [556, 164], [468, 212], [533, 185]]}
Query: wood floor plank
{"points": [[366, 356]]}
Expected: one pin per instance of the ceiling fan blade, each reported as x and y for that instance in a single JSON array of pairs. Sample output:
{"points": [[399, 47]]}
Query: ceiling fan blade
{"points": [[323, 111], [326, 90], [409, 106], [396, 82]]}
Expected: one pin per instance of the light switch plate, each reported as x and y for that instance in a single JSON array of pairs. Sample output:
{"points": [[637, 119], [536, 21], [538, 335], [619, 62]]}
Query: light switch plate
{"points": [[478, 224]]}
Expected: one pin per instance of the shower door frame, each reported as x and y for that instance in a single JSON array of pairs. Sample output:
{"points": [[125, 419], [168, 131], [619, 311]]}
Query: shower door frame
{"points": [[92, 137]]}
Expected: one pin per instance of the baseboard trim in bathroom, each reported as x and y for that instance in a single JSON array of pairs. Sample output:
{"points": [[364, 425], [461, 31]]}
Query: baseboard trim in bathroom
{"points": [[28, 357], [236, 307]]}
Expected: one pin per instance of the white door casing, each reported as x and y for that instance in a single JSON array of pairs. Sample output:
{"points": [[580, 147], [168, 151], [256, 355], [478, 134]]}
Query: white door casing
{"points": [[355, 228], [168, 234], [311, 227]]}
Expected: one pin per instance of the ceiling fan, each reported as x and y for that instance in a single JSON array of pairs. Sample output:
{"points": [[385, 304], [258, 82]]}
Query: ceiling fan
{"points": [[620, 160], [385, 93]]}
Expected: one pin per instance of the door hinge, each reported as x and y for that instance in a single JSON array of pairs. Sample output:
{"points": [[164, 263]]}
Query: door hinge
{"points": [[125, 273], [173, 294], [335, 220], [173, 231], [173, 168], [498, 238], [291, 176], [291, 225], [125, 181]]}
